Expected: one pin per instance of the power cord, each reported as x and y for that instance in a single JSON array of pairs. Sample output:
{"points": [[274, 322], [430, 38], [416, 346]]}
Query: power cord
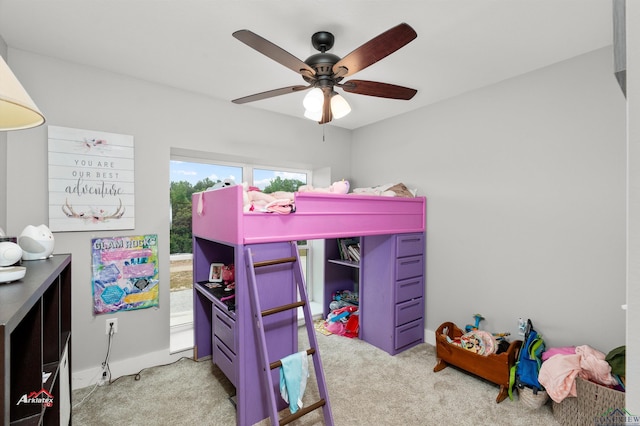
{"points": [[138, 375], [106, 371]]}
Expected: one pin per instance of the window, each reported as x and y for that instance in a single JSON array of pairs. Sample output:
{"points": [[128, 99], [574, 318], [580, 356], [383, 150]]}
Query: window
{"points": [[192, 175], [276, 180], [186, 178]]}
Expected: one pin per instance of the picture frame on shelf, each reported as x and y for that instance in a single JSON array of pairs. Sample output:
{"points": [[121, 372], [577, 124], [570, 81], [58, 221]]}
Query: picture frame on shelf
{"points": [[215, 272]]}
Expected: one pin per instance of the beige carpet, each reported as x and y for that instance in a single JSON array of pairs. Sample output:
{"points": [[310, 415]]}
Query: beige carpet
{"points": [[366, 387]]}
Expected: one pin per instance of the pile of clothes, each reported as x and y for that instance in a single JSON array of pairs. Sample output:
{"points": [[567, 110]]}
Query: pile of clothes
{"points": [[344, 319], [561, 366]]}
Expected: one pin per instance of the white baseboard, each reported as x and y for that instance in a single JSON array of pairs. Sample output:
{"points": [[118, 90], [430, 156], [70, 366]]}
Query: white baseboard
{"points": [[84, 378], [430, 337]]}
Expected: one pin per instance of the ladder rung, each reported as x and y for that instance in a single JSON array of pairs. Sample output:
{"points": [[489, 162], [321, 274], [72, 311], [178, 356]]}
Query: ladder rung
{"points": [[301, 412], [276, 364], [274, 262], [283, 308]]}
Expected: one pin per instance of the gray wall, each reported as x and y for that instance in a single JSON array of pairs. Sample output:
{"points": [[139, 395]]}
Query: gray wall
{"points": [[161, 119], [525, 186], [525, 183]]}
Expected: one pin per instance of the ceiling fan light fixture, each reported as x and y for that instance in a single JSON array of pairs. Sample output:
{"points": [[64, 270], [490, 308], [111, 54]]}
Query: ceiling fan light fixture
{"points": [[323, 71], [339, 106], [314, 100], [313, 115]]}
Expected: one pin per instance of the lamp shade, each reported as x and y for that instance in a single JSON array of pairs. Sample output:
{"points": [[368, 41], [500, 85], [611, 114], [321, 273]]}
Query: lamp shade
{"points": [[313, 100], [313, 115], [313, 104], [339, 106], [17, 109]]}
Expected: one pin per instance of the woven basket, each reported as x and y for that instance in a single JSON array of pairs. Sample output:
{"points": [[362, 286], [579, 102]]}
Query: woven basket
{"points": [[591, 406], [532, 400]]}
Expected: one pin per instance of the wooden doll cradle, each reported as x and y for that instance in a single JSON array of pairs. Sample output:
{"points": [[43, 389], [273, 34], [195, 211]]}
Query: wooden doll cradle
{"points": [[494, 368]]}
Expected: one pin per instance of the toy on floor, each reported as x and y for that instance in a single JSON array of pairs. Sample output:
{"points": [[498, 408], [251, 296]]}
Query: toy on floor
{"points": [[343, 319]]}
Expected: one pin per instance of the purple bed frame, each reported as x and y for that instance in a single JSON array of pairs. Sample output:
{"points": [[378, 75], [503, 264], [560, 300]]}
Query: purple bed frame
{"points": [[318, 216], [222, 231]]}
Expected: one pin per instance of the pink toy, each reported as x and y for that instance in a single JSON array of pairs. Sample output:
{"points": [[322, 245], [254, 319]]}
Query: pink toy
{"points": [[228, 273], [340, 187]]}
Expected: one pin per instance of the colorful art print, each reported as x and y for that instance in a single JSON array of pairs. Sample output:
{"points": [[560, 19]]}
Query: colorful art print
{"points": [[91, 180], [124, 273]]}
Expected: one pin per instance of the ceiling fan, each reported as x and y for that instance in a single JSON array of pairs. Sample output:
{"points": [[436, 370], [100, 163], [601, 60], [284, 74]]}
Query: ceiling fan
{"points": [[325, 71]]}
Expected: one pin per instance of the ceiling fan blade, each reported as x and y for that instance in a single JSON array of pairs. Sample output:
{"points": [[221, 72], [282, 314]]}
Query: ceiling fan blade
{"points": [[270, 94], [374, 50], [381, 90], [274, 52], [327, 116]]}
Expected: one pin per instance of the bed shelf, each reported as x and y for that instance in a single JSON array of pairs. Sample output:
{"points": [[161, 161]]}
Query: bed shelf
{"points": [[348, 263]]}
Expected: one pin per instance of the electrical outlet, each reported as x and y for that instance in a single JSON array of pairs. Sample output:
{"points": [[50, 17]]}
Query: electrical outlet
{"points": [[109, 323], [104, 378]]}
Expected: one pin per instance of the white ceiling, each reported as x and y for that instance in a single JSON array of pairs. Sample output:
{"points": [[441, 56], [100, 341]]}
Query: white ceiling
{"points": [[462, 44]]}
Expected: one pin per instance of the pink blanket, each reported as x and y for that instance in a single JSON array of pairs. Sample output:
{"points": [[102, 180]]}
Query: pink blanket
{"points": [[559, 372]]}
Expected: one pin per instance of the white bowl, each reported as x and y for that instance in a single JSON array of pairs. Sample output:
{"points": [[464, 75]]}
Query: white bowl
{"points": [[12, 273]]}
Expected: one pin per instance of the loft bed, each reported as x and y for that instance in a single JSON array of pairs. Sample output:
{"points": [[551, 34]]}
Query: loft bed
{"points": [[221, 228], [218, 215]]}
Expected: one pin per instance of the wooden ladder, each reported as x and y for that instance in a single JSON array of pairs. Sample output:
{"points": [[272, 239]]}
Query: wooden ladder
{"points": [[265, 364]]}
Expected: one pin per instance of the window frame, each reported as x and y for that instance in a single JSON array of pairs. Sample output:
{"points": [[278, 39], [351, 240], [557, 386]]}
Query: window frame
{"points": [[248, 168]]}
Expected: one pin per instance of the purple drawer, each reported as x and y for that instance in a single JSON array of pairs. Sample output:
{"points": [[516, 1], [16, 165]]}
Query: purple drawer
{"points": [[409, 267], [223, 328], [224, 359], [409, 311], [412, 333], [409, 289], [409, 245]]}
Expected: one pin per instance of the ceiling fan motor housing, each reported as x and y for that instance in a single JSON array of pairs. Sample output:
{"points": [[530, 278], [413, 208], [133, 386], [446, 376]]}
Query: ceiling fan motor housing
{"points": [[322, 41], [322, 62]]}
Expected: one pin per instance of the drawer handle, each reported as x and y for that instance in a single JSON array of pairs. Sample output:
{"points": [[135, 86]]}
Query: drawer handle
{"points": [[410, 240], [408, 262], [225, 354], [223, 321], [410, 306], [409, 329], [411, 283]]}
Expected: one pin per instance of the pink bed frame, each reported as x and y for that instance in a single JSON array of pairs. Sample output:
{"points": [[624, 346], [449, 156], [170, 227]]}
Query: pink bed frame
{"points": [[218, 215]]}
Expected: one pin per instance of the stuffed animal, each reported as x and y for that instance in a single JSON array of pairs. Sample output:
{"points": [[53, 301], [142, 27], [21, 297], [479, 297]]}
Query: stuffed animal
{"points": [[228, 273], [339, 187], [222, 184]]}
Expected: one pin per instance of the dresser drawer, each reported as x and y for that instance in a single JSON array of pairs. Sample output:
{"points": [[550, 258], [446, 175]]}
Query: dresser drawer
{"points": [[411, 288], [409, 311], [409, 245], [224, 328], [224, 359], [410, 333], [408, 267]]}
